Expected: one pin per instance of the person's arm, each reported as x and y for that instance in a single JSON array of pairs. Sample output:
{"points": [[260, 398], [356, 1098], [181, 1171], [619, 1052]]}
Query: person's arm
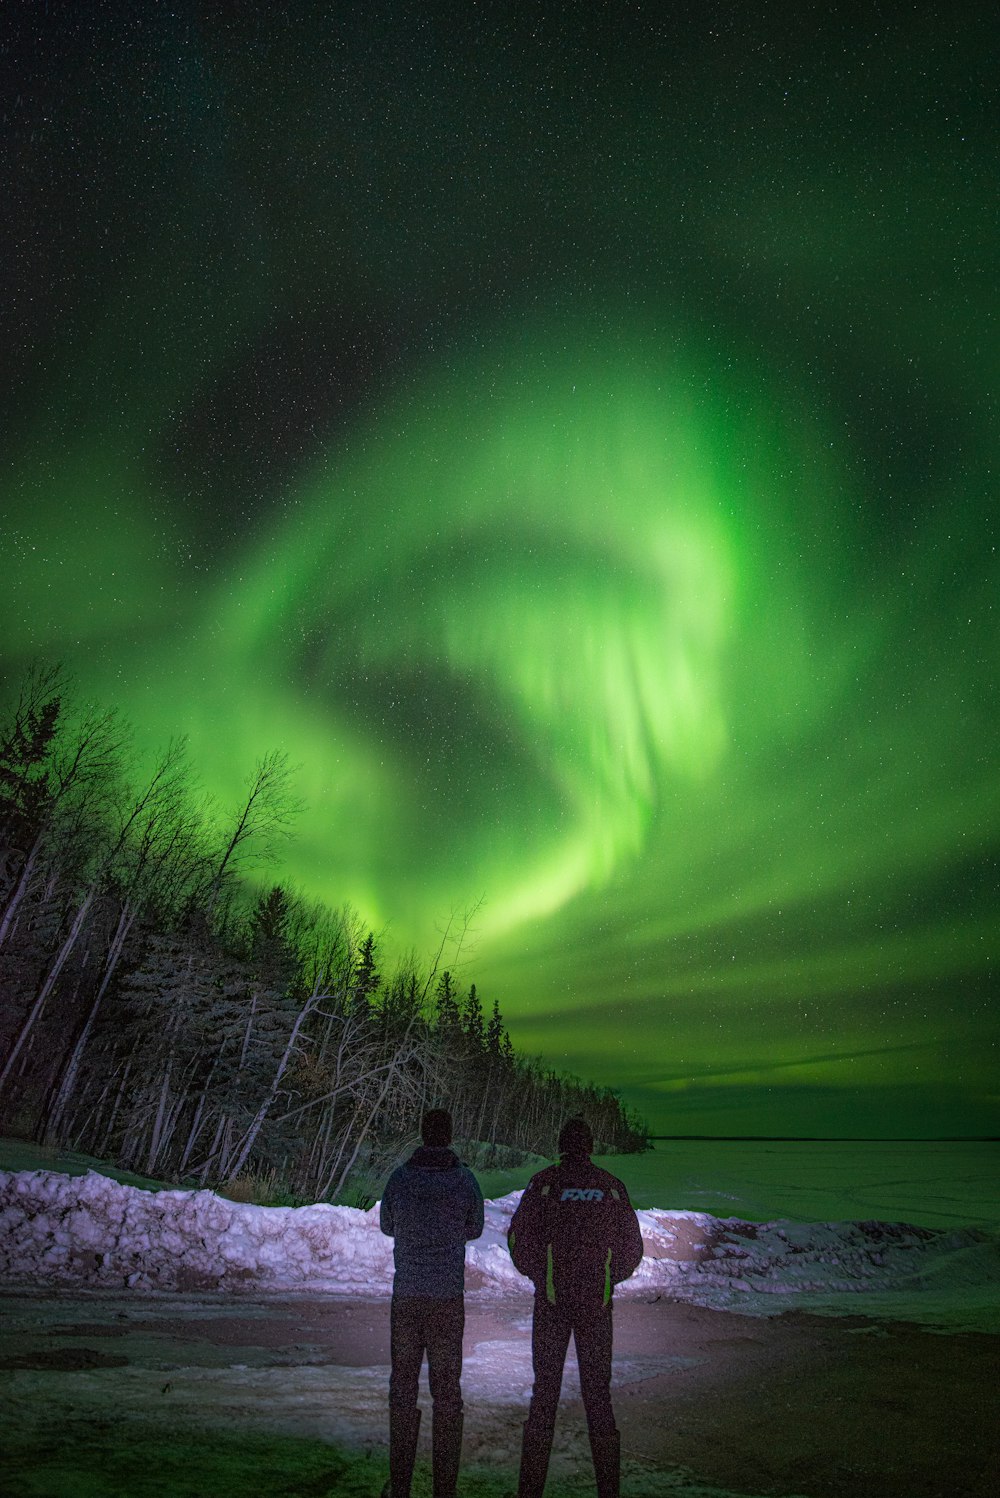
{"points": [[475, 1217], [386, 1219], [628, 1249], [524, 1235]]}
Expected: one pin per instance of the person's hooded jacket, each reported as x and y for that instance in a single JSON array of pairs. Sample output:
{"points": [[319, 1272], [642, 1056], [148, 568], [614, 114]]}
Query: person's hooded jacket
{"points": [[432, 1206], [575, 1234]]}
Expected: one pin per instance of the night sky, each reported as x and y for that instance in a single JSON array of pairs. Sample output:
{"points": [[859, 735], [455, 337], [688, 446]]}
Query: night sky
{"points": [[568, 432]]}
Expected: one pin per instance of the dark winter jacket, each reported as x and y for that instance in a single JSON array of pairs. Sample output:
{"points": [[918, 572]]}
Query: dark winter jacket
{"points": [[575, 1234], [432, 1206]]}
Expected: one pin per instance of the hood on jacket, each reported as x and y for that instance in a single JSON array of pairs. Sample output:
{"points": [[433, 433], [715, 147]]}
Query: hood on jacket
{"points": [[433, 1157]]}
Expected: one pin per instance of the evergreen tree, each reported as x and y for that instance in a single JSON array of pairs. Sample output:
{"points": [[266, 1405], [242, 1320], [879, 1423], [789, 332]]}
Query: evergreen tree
{"points": [[472, 1023], [448, 1018], [495, 1031], [365, 980]]}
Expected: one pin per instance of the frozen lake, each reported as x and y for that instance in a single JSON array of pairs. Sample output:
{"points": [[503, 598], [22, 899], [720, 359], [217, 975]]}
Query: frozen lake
{"points": [[939, 1185]]}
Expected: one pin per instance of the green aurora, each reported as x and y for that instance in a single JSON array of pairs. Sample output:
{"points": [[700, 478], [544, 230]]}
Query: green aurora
{"points": [[605, 526]]}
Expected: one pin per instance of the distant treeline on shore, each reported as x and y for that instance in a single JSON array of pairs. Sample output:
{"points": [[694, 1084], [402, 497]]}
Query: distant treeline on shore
{"points": [[161, 1011]]}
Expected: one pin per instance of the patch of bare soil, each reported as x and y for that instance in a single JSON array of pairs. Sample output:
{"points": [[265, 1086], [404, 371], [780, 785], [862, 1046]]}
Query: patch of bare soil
{"points": [[829, 1407]]}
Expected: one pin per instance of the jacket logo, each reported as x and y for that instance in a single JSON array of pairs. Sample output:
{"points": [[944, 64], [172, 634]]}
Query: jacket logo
{"points": [[581, 1194]]}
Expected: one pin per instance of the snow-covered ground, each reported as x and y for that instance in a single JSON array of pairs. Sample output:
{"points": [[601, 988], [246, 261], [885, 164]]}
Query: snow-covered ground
{"points": [[91, 1231]]}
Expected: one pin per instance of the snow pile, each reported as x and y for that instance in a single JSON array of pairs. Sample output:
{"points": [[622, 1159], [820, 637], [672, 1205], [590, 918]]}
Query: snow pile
{"points": [[89, 1230], [721, 1261]]}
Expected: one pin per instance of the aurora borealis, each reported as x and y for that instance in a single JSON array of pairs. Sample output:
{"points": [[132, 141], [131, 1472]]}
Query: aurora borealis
{"points": [[570, 438]]}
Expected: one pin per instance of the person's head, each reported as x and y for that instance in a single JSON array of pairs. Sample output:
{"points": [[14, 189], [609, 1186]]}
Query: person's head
{"points": [[435, 1128], [576, 1137]]}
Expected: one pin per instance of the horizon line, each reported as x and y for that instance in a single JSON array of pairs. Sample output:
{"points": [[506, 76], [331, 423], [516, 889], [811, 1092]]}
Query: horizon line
{"points": [[836, 1138]]}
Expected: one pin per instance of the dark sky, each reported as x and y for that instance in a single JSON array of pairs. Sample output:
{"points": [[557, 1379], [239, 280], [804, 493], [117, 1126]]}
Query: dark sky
{"points": [[568, 431]]}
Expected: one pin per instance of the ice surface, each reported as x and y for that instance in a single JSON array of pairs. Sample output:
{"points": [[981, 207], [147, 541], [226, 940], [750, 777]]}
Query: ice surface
{"points": [[936, 1183], [89, 1230]]}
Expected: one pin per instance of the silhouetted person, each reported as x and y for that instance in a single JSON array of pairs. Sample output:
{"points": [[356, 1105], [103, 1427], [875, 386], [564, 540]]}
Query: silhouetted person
{"points": [[432, 1206], [575, 1235]]}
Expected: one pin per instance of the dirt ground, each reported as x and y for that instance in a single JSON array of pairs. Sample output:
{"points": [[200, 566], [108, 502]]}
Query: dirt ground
{"points": [[108, 1395]]}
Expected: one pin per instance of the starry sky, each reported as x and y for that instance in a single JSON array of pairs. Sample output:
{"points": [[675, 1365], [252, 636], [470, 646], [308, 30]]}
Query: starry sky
{"points": [[567, 432]]}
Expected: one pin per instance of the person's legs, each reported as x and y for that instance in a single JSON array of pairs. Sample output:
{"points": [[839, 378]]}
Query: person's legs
{"points": [[550, 1331], [406, 1340], [444, 1328], [593, 1334]]}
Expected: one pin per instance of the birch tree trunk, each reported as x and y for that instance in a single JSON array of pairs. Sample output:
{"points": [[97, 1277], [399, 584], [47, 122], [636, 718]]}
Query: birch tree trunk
{"points": [[249, 1138], [51, 979], [119, 1098], [68, 1083], [161, 1112], [21, 890], [199, 1111], [394, 1066]]}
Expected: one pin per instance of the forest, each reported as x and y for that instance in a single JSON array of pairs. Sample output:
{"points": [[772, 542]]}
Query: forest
{"points": [[165, 1008]]}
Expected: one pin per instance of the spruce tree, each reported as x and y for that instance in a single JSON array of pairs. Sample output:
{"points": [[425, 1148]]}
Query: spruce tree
{"points": [[494, 1030], [448, 1018], [472, 1023], [365, 979]]}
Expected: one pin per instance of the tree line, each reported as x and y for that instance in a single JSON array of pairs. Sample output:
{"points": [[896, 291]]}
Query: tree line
{"points": [[161, 1010]]}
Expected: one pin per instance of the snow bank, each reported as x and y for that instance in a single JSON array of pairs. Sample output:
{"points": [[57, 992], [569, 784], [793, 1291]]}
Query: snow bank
{"points": [[89, 1230]]}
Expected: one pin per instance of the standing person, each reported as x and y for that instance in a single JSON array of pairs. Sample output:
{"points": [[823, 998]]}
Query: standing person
{"points": [[575, 1235], [431, 1207]]}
